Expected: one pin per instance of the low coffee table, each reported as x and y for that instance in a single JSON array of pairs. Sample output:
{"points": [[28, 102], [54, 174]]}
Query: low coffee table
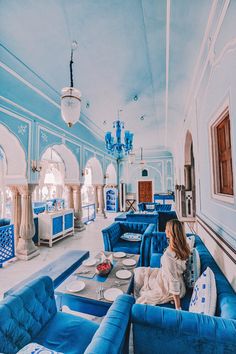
{"points": [[87, 300]]}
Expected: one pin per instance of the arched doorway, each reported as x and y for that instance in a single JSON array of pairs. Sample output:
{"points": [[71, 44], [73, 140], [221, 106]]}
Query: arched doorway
{"points": [[93, 175], [52, 176], [111, 176], [189, 176], [13, 169]]}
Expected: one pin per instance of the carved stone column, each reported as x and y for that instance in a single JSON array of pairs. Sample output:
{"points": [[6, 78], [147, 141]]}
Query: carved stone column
{"points": [[26, 248], [70, 201], [95, 186], [16, 211], [100, 193], [79, 225]]}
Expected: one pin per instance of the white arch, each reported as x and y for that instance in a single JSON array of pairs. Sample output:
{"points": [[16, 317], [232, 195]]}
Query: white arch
{"points": [[16, 164], [97, 174], [111, 173], [71, 164]]}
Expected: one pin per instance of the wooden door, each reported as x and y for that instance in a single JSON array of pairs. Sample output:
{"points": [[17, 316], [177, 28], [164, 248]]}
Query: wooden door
{"points": [[225, 159], [145, 191]]}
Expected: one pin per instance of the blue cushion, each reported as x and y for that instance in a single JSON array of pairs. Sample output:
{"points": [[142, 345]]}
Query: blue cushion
{"points": [[165, 216], [67, 333], [226, 298], [34, 348], [127, 247], [203, 299], [193, 269], [132, 237]]}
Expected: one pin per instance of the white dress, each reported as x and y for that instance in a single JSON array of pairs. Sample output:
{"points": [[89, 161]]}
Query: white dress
{"points": [[158, 285]]}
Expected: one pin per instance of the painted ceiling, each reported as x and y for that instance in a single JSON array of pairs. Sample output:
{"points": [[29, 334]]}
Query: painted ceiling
{"points": [[121, 59]]}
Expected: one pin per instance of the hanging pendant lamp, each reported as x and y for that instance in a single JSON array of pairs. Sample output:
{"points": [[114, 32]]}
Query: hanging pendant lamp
{"points": [[71, 97]]}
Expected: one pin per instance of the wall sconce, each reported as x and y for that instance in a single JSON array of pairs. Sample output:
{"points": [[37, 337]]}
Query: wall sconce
{"points": [[35, 166]]}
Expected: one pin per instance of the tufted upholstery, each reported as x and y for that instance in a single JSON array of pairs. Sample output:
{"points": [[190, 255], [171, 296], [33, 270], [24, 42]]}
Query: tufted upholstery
{"points": [[150, 218], [163, 207], [112, 241], [24, 313], [151, 207], [110, 338], [30, 315], [174, 331]]}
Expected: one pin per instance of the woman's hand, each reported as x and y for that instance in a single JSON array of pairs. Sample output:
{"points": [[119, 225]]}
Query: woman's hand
{"points": [[177, 302]]}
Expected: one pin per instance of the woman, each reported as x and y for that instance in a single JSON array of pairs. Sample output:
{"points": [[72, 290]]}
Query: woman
{"points": [[160, 285]]}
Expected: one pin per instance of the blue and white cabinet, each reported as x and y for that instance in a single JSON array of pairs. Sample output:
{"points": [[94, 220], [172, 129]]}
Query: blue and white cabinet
{"points": [[55, 226], [111, 199]]}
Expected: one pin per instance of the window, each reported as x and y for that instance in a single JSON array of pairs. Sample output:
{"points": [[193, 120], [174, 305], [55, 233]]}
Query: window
{"points": [[222, 156], [144, 173]]}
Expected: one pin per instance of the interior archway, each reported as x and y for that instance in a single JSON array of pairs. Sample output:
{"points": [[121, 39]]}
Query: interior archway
{"points": [[16, 166], [96, 168], [111, 175]]}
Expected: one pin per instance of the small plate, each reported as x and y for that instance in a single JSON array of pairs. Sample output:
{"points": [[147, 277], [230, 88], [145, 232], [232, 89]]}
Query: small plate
{"points": [[112, 293], [75, 286], [119, 254], [129, 262], [123, 274], [90, 262]]}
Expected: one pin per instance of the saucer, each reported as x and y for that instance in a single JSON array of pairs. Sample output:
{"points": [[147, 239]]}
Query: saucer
{"points": [[123, 274], [112, 293], [119, 254], [75, 286], [90, 262], [129, 262]]}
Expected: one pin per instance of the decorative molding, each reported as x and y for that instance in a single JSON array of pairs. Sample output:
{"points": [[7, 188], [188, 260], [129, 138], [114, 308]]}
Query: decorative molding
{"points": [[44, 136], [199, 59], [231, 234], [22, 129], [65, 133], [29, 122], [46, 97], [200, 76], [216, 237], [28, 84]]}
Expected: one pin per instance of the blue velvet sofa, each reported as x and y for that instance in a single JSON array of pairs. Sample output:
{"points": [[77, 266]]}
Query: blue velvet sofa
{"points": [[5, 222], [113, 242], [166, 330], [150, 218], [151, 207], [30, 315]]}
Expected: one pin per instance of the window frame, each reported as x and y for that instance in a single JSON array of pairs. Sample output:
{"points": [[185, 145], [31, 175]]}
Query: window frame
{"points": [[218, 117]]}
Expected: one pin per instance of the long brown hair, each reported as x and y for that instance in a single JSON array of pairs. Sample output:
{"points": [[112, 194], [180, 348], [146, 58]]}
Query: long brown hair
{"points": [[178, 239]]}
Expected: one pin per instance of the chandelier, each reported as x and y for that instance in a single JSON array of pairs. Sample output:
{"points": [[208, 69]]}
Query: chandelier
{"points": [[71, 97], [116, 147]]}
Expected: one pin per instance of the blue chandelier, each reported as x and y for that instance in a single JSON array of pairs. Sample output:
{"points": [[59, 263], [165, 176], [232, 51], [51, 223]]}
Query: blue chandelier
{"points": [[118, 148]]}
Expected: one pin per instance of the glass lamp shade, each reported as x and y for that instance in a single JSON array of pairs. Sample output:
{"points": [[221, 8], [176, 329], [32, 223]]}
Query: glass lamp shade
{"points": [[70, 105]]}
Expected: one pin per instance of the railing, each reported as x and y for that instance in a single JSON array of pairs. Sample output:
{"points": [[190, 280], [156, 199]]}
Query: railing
{"points": [[7, 249], [89, 213]]}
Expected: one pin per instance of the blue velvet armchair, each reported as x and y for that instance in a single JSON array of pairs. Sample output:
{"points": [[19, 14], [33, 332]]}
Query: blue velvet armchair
{"points": [[113, 242], [173, 331], [30, 315]]}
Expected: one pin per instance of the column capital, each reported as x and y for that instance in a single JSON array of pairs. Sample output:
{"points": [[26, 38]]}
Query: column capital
{"points": [[14, 189], [26, 189], [76, 187]]}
